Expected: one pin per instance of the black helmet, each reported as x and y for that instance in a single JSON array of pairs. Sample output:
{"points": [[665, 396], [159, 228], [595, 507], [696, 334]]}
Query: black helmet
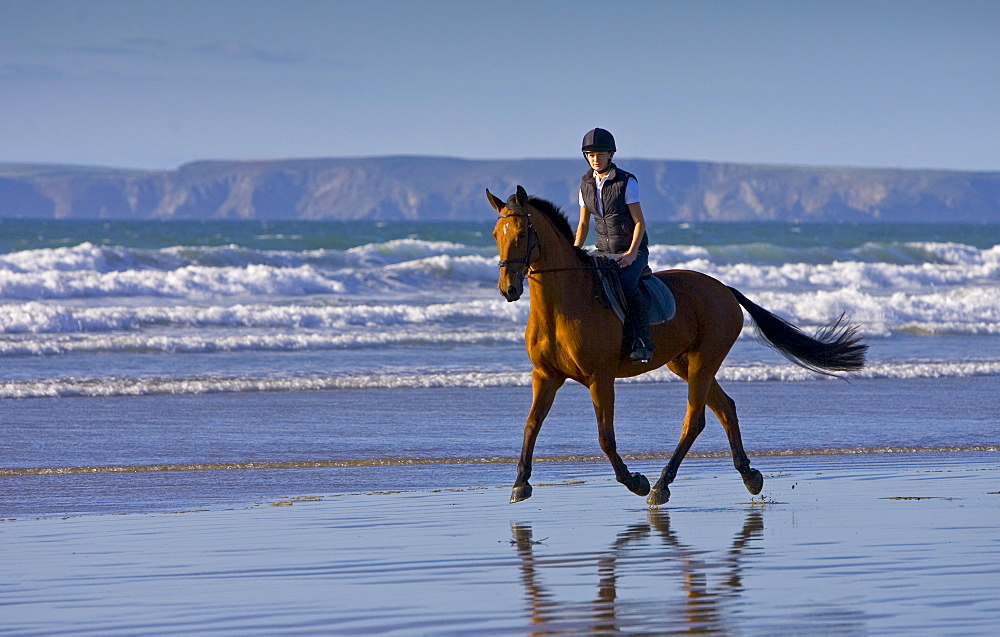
{"points": [[598, 140]]}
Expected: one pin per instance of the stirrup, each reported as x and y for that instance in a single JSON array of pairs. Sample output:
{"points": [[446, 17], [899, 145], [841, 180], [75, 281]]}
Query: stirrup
{"points": [[640, 353]]}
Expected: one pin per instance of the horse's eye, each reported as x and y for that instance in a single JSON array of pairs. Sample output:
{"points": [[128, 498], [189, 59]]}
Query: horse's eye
{"points": [[522, 234]]}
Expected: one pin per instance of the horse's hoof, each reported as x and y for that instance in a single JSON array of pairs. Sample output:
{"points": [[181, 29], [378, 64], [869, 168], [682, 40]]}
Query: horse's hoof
{"points": [[658, 496], [754, 481], [519, 493], [639, 485]]}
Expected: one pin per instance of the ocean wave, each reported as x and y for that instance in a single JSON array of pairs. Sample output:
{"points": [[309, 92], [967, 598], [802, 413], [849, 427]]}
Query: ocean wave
{"points": [[198, 282], [37, 318], [117, 386], [268, 342], [195, 282], [415, 266], [103, 259], [875, 277], [503, 331], [90, 257], [462, 277], [889, 253], [963, 310]]}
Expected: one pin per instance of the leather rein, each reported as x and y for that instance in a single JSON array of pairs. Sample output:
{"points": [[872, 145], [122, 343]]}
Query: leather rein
{"points": [[533, 234]]}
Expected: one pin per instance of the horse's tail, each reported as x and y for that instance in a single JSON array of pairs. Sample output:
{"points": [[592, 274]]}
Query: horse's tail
{"points": [[835, 348]]}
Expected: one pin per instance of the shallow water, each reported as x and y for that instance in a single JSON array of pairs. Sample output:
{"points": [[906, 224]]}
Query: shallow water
{"points": [[835, 545], [156, 453]]}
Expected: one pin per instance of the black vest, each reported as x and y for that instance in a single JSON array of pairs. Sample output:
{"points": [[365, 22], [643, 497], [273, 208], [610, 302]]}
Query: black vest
{"points": [[615, 226]]}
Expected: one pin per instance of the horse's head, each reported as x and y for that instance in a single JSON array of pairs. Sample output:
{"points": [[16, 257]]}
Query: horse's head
{"points": [[516, 240]]}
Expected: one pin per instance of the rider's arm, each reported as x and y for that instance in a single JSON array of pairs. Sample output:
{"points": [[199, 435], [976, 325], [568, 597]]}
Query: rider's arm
{"points": [[635, 209], [582, 228]]}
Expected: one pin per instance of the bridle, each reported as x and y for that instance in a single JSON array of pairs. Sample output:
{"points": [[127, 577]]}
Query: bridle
{"points": [[532, 243]]}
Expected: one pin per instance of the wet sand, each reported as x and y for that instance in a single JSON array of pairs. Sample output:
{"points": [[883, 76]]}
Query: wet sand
{"points": [[864, 544]]}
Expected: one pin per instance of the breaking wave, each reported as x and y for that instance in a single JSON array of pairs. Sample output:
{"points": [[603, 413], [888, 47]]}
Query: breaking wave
{"points": [[434, 378], [88, 270], [422, 295], [919, 288]]}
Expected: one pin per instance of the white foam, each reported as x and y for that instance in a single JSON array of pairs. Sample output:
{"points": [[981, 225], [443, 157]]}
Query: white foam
{"points": [[89, 271], [37, 317], [292, 341], [966, 310], [875, 277], [125, 386], [969, 310], [182, 299]]}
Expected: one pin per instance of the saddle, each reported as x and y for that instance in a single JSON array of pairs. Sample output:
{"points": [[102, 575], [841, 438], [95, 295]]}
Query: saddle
{"points": [[660, 303]]}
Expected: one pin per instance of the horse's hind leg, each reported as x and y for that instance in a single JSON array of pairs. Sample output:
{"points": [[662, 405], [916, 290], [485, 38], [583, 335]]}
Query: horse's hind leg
{"points": [[543, 389], [699, 384], [725, 409], [602, 391]]}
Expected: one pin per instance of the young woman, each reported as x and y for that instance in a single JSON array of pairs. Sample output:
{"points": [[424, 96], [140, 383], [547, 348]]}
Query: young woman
{"points": [[610, 196]]}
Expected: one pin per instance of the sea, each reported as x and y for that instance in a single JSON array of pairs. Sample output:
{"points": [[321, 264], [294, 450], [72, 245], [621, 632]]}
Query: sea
{"points": [[160, 365]]}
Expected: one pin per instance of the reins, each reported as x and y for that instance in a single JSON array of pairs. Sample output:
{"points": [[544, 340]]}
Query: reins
{"points": [[577, 269], [504, 263]]}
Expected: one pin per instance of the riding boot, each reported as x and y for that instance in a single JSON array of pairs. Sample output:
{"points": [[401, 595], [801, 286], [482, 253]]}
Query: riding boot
{"points": [[642, 347]]}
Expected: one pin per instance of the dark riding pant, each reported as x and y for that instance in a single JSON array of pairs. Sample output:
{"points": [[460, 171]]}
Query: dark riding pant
{"points": [[630, 275]]}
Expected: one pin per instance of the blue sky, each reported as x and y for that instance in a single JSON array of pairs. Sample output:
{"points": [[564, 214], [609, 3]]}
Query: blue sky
{"points": [[909, 83]]}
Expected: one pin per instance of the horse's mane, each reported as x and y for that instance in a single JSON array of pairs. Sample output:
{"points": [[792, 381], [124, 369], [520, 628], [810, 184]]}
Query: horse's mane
{"points": [[559, 221]]}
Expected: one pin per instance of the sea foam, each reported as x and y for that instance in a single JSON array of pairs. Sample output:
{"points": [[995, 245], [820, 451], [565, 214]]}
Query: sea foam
{"points": [[172, 385], [93, 298]]}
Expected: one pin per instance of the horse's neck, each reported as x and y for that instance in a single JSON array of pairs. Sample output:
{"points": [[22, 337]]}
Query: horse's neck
{"points": [[561, 281]]}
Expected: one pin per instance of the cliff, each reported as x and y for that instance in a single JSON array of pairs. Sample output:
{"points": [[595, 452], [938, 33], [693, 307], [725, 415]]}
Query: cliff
{"points": [[436, 189]]}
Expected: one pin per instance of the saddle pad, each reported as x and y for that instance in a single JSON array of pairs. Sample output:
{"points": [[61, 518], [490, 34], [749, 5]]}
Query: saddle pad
{"points": [[660, 303], [659, 300]]}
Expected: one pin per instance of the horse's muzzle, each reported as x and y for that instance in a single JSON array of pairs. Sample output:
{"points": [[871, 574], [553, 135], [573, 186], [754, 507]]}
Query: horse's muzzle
{"points": [[512, 293], [511, 288]]}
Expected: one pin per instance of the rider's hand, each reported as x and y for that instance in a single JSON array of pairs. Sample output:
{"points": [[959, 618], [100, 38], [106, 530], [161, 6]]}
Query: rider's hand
{"points": [[626, 260]]}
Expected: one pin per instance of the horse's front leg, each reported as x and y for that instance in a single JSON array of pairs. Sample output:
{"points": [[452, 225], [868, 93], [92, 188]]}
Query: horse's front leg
{"points": [[602, 391], [543, 389]]}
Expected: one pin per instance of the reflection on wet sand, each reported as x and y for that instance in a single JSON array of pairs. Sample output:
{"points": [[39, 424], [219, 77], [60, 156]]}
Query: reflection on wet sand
{"points": [[704, 607]]}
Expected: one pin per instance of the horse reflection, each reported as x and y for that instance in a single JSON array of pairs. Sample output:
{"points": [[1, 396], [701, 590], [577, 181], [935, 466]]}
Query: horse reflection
{"points": [[703, 608]]}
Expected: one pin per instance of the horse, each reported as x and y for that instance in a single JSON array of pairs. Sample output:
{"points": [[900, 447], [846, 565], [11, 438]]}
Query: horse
{"points": [[571, 334]]}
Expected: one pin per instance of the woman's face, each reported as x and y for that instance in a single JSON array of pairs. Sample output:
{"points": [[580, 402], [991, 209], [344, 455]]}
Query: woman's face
{"points": [[599, 161]]}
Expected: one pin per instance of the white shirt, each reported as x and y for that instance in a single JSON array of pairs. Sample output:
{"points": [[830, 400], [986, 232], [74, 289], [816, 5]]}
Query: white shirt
{"points": [[631, 191]]}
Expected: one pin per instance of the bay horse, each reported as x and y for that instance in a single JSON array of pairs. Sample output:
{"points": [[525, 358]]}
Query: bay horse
{"points": [[571, 335]]}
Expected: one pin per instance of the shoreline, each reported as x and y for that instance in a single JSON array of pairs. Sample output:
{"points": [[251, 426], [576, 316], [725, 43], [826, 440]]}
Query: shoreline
{"points": [[51, 494], [405, 461]]}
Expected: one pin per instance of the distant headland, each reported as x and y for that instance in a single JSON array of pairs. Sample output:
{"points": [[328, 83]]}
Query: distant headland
{"points": [[440, 189]]}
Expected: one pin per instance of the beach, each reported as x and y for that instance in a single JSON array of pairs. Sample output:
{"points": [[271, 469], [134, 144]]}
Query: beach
{"points": [[312, 427], [150, 454], [835, 544]]}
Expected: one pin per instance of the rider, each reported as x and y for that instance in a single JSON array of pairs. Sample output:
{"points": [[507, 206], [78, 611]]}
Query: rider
{"points": [[611, 196]]}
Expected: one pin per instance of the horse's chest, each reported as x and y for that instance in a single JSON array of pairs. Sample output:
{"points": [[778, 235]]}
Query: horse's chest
{"points": [[565, 349]]}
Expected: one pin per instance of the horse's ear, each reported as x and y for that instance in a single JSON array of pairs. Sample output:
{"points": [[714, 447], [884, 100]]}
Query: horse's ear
{"points": [[522, 196], [494, 201]]}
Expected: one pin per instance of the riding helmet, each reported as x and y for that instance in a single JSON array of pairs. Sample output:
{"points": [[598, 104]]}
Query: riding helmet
{"points": [[598, 140]]}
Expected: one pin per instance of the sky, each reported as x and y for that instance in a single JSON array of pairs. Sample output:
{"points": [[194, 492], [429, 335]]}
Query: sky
{"points": [[153, 85]]}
